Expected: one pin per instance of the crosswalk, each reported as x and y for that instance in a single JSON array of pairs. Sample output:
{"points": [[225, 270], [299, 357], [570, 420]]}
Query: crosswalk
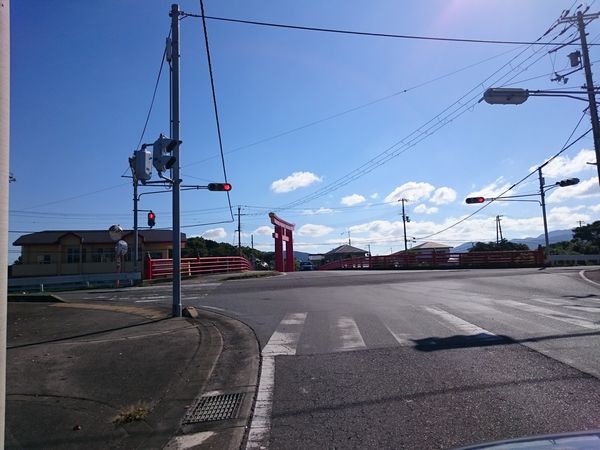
{"points": [[303, 332]]}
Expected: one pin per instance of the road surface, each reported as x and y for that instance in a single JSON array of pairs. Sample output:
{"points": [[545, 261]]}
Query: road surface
{"points": [[412, 359]]}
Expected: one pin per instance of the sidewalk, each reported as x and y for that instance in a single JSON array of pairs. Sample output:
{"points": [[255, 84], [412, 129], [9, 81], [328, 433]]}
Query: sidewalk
{"points": [[101, 376]]}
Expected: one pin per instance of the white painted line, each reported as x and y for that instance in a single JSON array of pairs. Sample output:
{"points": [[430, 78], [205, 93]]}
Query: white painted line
{"points": [[213, 307], [349, 334], [284, 340], [582, 275], [462, 325], [147, 301], [401, 338], [260, 427], [552, 314]]}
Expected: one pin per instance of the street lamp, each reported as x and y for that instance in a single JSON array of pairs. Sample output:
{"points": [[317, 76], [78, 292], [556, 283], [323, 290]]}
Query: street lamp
{"points": [[519, 198], [517, 96]]}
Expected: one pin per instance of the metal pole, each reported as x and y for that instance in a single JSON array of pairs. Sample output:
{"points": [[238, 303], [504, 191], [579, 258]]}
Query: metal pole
{"points": [[589, 81], [136, 267], [543, 202], [176, 181], [497, 230], [4, 182], [404, 225], [239, 230]]}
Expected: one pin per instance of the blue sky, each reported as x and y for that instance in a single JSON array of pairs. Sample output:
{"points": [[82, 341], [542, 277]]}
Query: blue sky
{"points": [[83, 74]]}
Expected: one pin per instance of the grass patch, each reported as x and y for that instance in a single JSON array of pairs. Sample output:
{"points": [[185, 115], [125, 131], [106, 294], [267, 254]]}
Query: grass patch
{"points": [[132, 413]]}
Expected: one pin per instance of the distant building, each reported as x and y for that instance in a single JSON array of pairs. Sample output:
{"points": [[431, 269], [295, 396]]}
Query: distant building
{"points": [[343, 252], [428, 249], [48, 253]]}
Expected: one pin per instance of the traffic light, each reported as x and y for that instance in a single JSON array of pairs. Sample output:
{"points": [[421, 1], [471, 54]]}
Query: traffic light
{"points": [[161, 149], [568, 182], [475, 200], [151, 219], [142, 165], [219, 187]]}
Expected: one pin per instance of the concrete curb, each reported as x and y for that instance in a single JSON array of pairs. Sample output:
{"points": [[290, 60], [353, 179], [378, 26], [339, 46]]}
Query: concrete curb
{"points": [[582, 275], [235, 372]]}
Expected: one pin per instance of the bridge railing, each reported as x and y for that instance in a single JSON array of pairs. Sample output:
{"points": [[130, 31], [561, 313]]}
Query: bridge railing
{"points": [[163, 268], [412, 260]]}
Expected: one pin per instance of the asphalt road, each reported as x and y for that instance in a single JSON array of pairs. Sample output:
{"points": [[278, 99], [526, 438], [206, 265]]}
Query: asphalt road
{"points": [[412, 359]]}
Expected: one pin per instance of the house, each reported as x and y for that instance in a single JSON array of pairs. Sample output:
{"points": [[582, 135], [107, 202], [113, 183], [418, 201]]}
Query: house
{"points": [[428, 249], [343, 252], [75, 252]]}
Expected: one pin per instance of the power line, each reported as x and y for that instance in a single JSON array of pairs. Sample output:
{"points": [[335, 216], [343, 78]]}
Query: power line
{"points": [[353, 109], [367, 33], [448, 115], [565, 147], [214, 97]]}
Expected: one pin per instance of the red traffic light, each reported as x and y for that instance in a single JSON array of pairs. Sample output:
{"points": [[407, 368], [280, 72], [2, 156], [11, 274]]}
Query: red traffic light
{"points": [[151, 219], [219, 187], [475, 200]]}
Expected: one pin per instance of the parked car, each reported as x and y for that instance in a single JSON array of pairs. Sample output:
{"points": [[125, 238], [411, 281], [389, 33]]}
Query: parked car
{"points": [[306, 265]]}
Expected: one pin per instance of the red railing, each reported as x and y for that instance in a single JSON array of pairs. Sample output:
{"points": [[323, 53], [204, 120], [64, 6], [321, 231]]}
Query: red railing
{"points": [[163, 268], [412, 260]]}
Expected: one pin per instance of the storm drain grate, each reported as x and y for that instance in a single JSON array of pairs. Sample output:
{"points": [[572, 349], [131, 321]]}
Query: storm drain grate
{"points": [[214, 407]]}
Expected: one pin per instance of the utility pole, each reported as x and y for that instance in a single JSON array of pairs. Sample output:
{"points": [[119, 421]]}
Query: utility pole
{"points": [[498, 230], [591, 91], [404, 220], [135, 223], [580, 222], [176, 181], [4, 182], [239, 231], [543, 202]]}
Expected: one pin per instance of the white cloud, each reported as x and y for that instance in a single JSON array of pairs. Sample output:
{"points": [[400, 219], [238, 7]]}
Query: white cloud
{"points": [[583, 189], [215, 233], [375, 195], [423, 209], [563, 166], [351, 200], [314, 212], [310, 229], [493, 189], [264, 230], [594, 208], [564, 217], [412, 190], [443, 195], [295, 181]]}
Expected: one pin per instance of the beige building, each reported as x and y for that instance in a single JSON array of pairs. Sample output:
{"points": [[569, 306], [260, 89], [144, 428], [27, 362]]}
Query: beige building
{"points": [[49, 253]]}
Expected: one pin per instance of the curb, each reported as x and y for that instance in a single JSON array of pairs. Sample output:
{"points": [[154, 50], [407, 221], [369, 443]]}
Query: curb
{"points": [[582, 275], [235, 372]]}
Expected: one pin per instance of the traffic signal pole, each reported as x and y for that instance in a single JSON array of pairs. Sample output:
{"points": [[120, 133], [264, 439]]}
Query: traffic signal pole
{"points": [[135, 224], [4, 181], [176, 166]]}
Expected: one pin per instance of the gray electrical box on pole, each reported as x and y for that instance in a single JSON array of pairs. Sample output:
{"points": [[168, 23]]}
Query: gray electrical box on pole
{"points": [[142, 165]]}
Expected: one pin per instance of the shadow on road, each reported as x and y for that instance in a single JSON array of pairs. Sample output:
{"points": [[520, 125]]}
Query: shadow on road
{"points": [[431, 344]]}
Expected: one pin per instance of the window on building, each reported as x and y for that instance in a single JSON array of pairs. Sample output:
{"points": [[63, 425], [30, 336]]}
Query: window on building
{"points": [[44, 259], [73, 255]]}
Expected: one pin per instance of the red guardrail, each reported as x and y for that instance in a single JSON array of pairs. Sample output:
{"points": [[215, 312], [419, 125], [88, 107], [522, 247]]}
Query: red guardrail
{"points": [[163, 268], [411, 260]]}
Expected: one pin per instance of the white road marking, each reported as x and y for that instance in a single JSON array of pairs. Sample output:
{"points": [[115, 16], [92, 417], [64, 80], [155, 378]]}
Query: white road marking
{"points": [[401, 338], [284, 341], [147, 301], [349, 334], [582, 275], [462, 325], [213, 307], [552, 314]]}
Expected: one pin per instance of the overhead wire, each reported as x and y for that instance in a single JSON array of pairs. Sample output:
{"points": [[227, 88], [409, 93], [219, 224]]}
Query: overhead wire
{"points": [[216, 110], [565, 147], [455, 110]]}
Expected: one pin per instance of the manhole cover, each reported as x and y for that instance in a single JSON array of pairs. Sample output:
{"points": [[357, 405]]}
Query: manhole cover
{"points": [[214, 407]]}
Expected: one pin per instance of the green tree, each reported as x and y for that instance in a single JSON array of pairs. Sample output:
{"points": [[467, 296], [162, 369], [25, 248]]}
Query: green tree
{"points": [[493, 246]]}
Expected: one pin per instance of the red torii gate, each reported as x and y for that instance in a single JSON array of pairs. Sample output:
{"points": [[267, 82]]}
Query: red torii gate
{"points": [[283, 232]]}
